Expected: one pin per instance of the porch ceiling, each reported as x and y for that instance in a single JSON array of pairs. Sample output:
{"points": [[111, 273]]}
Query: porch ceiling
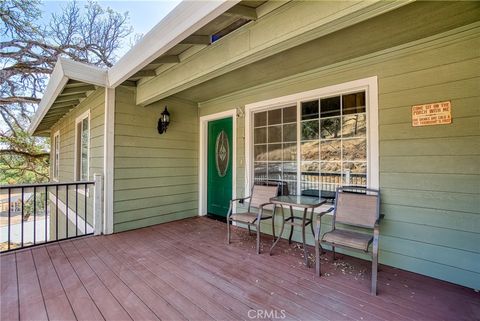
{"points": [[407, 23], [183, 270], [227, 22]]}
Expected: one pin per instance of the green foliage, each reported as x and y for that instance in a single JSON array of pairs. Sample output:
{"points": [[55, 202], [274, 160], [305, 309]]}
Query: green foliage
{"points": [[24, 159]]}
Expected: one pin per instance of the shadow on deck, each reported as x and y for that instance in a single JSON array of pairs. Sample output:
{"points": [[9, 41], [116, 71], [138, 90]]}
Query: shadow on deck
{"points": [[183, 270]]}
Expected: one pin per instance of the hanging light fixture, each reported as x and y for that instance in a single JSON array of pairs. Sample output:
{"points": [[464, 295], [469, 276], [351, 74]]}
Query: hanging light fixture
{"points": [[163, 121]]}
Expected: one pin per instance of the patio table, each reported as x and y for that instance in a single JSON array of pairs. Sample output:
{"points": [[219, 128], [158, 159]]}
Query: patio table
{"points": [[303, 202]]}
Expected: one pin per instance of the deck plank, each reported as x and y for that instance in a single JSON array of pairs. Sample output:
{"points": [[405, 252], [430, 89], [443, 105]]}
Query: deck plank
{"points": [[289, 264], [56, 301], [110, 308], [182, 295], [81, 302], [408, 307], [142, 288], [268, 294], [135, 307], [32, 305], [272, 274], [224, 292], [280, 278], [9, 309], [184, 270], [214, 301], [235, 269]]}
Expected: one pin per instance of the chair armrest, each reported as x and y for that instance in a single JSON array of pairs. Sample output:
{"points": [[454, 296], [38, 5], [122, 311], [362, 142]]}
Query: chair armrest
{"points": [[240, 200], [261, 206], [319, 215]]}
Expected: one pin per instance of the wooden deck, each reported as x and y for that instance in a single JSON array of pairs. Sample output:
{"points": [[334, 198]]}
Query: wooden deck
{"points": [[184, 271]]}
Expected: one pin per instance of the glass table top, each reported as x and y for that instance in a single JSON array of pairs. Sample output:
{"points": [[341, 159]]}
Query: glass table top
{"points": [[298, 200]]}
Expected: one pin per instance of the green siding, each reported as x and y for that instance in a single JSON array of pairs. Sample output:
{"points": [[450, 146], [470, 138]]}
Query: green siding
{"points": [[429, 176], [155, 176]]}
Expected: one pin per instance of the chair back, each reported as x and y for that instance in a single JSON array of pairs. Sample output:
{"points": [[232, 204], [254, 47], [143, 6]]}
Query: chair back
{"points": [[262, 194], [358, 209]]}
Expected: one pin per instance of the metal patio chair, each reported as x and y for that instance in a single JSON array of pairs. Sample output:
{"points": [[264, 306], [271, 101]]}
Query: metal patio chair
{"points": [[260, 200], [358, 208]]}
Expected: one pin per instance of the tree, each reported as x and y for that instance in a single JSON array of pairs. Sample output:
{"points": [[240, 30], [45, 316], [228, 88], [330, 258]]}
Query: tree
{"points": [[29, 50]]}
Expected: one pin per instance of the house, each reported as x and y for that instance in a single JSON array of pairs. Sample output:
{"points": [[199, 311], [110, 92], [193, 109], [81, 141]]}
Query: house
{"points": [[315, 94]]}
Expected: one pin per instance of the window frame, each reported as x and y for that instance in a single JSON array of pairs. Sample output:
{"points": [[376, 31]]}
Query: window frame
{"points": [[77, 162], [369, 85], [56, 156]]}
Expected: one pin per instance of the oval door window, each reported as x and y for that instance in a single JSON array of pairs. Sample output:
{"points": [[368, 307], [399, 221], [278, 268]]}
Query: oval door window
{"points": [[222, 152]]}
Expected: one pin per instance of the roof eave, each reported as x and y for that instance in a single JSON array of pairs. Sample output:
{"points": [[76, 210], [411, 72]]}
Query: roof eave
{"points": [[181, 22], [64, 71], [186, 18]]}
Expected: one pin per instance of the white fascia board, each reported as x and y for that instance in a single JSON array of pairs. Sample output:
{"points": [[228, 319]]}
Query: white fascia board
{"points": [[186, 18], [65, 70], [55, 85], [85, 73]]}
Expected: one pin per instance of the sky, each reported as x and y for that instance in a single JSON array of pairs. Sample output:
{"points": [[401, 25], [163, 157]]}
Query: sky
{"points": [[143, 14]]}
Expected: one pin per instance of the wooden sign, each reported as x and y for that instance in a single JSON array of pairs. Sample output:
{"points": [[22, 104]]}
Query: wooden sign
{"points": [[432, 114]]}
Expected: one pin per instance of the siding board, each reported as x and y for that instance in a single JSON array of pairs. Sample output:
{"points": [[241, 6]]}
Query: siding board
{"points": [[155, 175], [459, 164], [431, 146], [448, 201], [147, 192]]}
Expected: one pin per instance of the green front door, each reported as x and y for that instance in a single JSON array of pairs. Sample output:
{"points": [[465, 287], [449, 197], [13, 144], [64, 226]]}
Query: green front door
{"points": [[219, 181]]}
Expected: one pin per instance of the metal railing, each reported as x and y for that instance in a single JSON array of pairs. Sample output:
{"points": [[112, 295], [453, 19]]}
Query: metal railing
{"points": [[326, 181], [34, 214]]}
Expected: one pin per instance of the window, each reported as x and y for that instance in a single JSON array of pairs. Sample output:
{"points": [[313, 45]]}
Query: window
{"points": [[82, 142], [56, 155], [275, 146], [316, 142]]}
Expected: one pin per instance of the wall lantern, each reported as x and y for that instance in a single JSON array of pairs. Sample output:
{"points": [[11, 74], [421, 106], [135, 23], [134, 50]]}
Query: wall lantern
{"points": [[163, 121]]}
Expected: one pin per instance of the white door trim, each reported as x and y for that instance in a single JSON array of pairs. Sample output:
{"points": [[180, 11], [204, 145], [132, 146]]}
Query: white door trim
{"points": [[203, 164]]}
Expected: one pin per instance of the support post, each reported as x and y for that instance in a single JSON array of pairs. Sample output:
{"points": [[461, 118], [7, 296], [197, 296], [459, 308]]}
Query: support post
{"points": [[98, 204]]}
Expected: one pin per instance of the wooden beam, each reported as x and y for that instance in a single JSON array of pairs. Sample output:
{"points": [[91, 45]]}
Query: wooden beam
{"points": [[74, 82], [77, 90], [58, 112], [197, 40], [166, 60], [144, 73], [242, 12], [61, 98], [65, 104], [129, 83]]}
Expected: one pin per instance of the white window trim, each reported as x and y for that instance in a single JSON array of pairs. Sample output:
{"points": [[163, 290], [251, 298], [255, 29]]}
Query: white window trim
{"points": [[203, 166], [79, 119], [56, 163], [370, 85]]}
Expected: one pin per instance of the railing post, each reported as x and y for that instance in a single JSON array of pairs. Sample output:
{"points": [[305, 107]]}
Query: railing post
{"points": [[98, 204], [347, 177]]}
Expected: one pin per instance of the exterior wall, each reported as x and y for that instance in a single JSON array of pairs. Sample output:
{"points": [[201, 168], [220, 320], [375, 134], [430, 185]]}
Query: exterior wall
{"points": [[429, 176], [95, 102], [155, 176]]}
